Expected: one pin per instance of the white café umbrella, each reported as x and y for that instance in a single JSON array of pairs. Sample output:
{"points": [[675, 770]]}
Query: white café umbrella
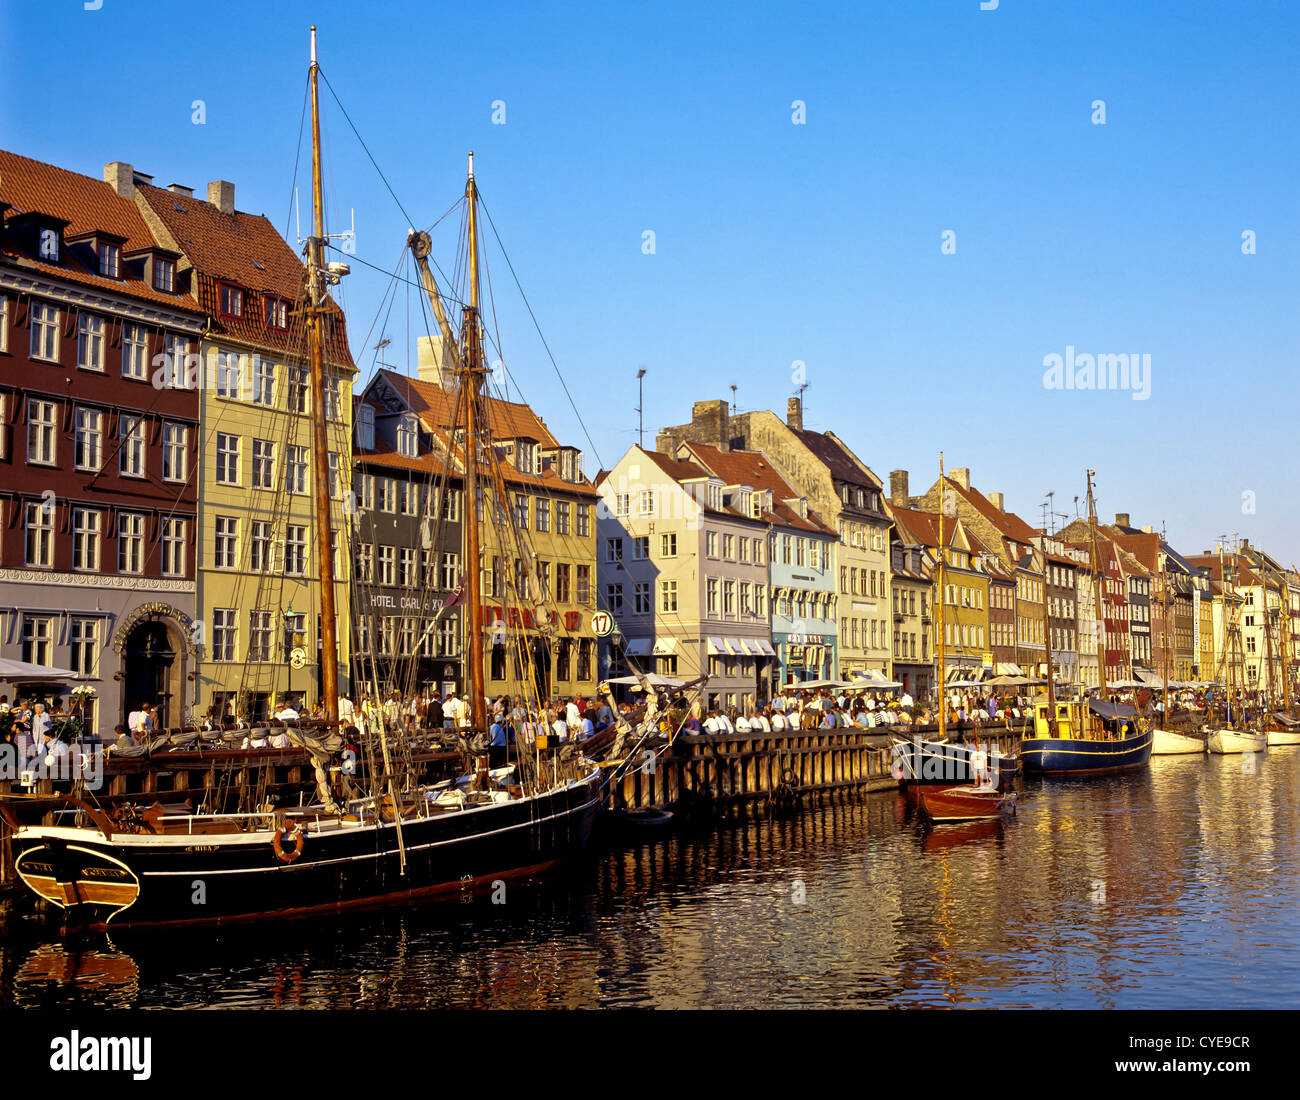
{"points": [[23, 672], [655, 679]]}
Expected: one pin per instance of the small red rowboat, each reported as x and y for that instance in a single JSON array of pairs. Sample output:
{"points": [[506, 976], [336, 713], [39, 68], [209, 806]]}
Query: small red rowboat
{"points": [[966, 803]]}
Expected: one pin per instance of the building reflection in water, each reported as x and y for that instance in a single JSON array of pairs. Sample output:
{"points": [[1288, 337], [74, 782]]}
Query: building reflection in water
{"points": [[1171, 888]]}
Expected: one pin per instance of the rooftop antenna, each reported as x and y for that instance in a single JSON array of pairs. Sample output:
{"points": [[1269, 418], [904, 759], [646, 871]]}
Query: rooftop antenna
{"points": [[379, 347], [733, 398], [640, 408]]}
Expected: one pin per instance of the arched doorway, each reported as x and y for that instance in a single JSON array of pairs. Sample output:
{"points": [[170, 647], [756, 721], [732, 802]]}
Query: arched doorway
{"points": [[153, 671]]}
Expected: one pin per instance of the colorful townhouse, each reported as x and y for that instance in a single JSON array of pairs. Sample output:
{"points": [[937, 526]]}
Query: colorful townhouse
{"points": [[98, 465], [259, 567]]}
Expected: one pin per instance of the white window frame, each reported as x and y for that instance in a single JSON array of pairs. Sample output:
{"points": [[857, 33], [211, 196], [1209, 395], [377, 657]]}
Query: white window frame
{"points": [[132, 443], [175, 538], [226, 470], [296, 558], [263, 471], [175, 451], [92, 332], [44, 319], [85, 540], [43, 416], [38, 551], [87, 436], [225, 542], [135, 352], [130, 543]]}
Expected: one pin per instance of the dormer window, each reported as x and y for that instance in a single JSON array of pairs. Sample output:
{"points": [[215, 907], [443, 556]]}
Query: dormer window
{"points": [[407, 437], [715, 496], [164, 275], [524, 456], [232, 300], [110, 260], [48, 245], [277, 313]]}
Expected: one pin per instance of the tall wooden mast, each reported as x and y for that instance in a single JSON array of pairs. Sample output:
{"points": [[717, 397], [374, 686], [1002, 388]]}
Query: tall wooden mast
{"points": [[470, 374], [1096, 585], [1271, 691], [1047, 644], [1164, 656], [316, 309], [938, 616]]}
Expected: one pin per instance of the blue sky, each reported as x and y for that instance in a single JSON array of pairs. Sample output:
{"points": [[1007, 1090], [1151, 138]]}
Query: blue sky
{"points": [[776, 242]]}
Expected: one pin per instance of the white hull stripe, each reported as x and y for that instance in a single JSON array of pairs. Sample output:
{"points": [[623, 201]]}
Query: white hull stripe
{"points": [[372, 855]]}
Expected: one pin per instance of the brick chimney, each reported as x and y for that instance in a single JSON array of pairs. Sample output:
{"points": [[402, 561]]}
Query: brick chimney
{"points": [[711, 424], [794, 413], [961, 475], [221, 194], [1122, 519], [898, 488], [998, 501], [181, 189], [120, 176]]}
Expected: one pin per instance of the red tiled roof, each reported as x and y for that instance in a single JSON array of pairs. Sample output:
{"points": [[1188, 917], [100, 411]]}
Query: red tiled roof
{"points": [[229, 248], [1145, 547], [676, 468], [437, 407], [86, 204], [1008, 523], [1238, 568], [752, 468], [922, 526]]}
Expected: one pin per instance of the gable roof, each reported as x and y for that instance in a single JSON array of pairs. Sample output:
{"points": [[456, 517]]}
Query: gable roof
{"points": [[1009, 524], [230, 248], [752, 468], [836, 457], [437, 407], [86, 204]]}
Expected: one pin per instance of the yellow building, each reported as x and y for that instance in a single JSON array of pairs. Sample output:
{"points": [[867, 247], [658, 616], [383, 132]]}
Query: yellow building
{"points": [[966, 639], [258, 581]]}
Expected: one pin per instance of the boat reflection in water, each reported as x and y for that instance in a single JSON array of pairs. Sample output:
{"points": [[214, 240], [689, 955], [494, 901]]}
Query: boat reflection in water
{"points": [[1173, 887], [55, 972]]}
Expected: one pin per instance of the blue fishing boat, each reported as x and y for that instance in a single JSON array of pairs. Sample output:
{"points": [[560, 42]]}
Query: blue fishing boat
{"points": [[1093, 738]]}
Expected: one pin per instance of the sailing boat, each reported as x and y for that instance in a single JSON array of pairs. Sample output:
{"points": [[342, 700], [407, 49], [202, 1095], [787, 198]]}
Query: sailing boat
{"points": [[1280, 723], [351, 848], [1232, 738], [1166, 742], [979, 798], [1097, 737]]}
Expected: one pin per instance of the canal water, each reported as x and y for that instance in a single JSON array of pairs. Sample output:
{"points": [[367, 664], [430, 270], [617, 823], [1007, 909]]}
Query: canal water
{"points": [[1178, 887]]}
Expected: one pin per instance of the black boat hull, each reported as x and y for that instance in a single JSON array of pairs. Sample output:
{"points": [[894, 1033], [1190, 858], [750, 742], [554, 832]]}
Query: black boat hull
{"points": [[133, 881]]}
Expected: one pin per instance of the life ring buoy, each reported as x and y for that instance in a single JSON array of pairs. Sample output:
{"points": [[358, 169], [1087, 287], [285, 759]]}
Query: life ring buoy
{"points": [[295, 836]]}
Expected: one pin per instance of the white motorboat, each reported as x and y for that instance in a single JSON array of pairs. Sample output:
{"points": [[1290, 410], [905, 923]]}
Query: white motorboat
{"points": [[1176, 744], [1225, 742]]}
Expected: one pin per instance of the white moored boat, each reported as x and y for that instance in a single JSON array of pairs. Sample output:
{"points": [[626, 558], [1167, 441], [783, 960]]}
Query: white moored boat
{"points": [[1283, 737], [1176, 744], [1230, 741]]}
